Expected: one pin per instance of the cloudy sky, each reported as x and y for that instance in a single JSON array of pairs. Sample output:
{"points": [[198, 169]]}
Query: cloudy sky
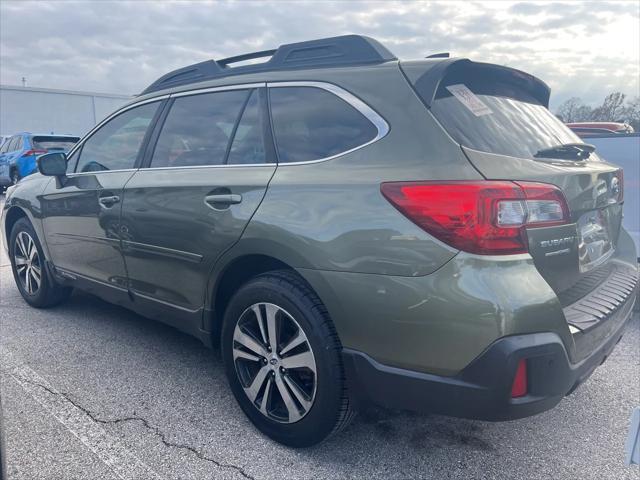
{"points": [[584, 49]]}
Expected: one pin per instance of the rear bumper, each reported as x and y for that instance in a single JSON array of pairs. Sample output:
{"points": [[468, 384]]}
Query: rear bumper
{"points": [[483, 389]]}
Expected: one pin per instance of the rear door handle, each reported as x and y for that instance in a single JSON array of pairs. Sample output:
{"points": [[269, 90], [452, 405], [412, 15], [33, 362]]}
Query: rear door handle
{"points": [[222, 199], [109, 202]]}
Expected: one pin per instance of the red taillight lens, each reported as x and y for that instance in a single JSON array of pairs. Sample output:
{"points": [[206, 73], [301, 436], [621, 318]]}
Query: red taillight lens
{"points": [[28, 153], [485, 217], [519, 386]]}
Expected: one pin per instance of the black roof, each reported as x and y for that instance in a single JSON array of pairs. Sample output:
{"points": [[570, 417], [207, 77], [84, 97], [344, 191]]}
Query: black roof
{"points": [[326, 52]]}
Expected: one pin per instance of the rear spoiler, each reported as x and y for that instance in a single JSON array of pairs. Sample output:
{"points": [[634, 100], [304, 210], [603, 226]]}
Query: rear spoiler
{"points": [[427, 75]]}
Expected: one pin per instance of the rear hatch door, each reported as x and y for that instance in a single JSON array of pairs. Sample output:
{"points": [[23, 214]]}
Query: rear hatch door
{"points": [[500, 118]]}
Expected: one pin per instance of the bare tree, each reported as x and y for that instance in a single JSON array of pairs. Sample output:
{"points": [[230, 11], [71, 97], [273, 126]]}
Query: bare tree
{"points": [[573, 110], [611, 110], [632, 113]]}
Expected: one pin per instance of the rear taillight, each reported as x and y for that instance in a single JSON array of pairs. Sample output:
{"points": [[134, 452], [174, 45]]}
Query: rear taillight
{"points": [[483, 217], [519, 386], [28, 153]]}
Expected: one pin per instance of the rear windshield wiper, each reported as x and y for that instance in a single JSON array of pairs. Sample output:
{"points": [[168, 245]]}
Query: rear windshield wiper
{"points": [[567, 151]]}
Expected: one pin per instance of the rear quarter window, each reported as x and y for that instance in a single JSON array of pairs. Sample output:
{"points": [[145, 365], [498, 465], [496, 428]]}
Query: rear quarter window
{"points": [[312, 124]]}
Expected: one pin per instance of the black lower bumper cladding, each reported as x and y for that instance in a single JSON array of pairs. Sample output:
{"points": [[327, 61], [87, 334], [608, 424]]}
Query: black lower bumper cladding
{"points": [[483, 389]]}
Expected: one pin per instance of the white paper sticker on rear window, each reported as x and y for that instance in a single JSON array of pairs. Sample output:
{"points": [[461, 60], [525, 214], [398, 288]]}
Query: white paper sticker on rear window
{"points": [[469, 100]]}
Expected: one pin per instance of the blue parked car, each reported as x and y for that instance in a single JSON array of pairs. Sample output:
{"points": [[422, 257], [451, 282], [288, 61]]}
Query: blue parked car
{"points": [[18, 154]]}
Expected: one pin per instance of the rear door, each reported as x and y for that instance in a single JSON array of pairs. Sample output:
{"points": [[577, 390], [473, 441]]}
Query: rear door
{"points": [[207, 170]]}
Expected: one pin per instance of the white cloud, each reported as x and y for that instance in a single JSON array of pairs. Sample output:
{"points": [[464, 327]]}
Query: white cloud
{"points": [[580, 49]]}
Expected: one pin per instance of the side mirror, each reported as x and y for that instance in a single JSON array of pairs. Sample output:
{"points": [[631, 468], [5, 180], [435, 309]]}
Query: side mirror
{"points": [[53, 164]]}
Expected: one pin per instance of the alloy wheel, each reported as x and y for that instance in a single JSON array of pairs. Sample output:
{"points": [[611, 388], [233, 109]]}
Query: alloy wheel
{"points": [[27, 262], [274, 362]]}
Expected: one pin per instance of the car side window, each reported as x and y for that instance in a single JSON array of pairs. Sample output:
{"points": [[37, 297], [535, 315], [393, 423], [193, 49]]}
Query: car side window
{"points": [[198, 129], [311, 124], [248, 141], [116, 145], [12, 144], [73, 160], [5, 146]]}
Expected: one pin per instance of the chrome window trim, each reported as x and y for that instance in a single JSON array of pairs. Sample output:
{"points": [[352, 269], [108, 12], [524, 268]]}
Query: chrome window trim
{"points": [[370, 114], [78, 174], [240, 86], [190, 167]]}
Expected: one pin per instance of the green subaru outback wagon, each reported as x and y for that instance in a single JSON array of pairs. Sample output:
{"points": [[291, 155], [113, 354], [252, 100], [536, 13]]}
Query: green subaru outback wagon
{"points": [[348, 228]]}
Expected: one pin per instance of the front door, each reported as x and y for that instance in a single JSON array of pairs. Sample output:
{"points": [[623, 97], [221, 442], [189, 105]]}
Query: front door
{"points": [[206, 177], [81, 214]]}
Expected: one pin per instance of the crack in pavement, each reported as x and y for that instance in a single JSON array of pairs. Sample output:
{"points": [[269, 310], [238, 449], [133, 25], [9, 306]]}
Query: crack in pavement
{"points": [[147, 425]]}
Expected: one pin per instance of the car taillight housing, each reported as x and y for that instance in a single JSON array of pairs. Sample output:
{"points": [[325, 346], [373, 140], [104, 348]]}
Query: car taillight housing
{"points": [[28, 153], [487, 217]]}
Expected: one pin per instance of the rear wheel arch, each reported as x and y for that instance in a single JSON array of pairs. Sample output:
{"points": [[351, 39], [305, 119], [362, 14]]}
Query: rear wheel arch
{"points": [[235, 274]]}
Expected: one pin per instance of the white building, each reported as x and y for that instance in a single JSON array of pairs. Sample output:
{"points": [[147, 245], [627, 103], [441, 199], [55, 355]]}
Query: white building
{"points": [[45, 110]]}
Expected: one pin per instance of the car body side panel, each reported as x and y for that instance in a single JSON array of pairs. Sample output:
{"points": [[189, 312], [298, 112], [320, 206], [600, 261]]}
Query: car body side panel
{"points": [[331, 213], [26, 196], [440, 322]]}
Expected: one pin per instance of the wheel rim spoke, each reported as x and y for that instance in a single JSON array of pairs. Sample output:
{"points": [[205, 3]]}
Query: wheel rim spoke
{"points": [[265, 398], [299, 394], [260, 320], [299, 339], [21, 245], [249, 343], [272, 329], [28, 280], [32, 250], [253, 389], [237, 353], [280, 382], [36, 275], [292, 408], [301, 360]]}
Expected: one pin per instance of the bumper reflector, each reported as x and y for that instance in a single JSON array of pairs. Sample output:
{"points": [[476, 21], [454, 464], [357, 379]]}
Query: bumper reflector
{"points": [[519, 387]]}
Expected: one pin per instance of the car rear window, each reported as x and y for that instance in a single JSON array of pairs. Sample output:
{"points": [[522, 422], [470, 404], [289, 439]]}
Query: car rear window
{"points": [[312, 124], [53, 143], [496, 116]]}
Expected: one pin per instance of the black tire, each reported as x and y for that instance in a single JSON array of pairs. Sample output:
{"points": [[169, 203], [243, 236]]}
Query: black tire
{"points": [[48, 293], [331, 410]]}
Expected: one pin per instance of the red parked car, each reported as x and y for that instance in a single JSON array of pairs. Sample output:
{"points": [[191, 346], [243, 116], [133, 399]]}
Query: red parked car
{"points": [[586, 129]]}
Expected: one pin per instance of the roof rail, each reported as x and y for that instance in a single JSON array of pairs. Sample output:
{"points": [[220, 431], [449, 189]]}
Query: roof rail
{"points": [[325, 52]]}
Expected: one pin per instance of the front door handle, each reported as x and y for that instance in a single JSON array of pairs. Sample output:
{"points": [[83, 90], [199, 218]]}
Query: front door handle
{"points": [[221, 200], [109, 202]]}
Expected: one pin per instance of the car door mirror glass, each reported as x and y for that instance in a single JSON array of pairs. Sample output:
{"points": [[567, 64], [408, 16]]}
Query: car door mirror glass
{"points": [[53, 164]]}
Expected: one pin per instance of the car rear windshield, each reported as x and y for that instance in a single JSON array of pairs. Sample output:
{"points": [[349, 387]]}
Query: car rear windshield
{"points": [[497, 116], [54, 143]]}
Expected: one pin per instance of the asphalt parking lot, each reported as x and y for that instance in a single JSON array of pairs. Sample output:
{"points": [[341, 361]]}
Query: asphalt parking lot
{"points": [[92, 391]]}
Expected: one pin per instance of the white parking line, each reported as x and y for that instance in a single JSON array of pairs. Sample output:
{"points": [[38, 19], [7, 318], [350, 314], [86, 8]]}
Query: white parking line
{"points": [[118, 458]]}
